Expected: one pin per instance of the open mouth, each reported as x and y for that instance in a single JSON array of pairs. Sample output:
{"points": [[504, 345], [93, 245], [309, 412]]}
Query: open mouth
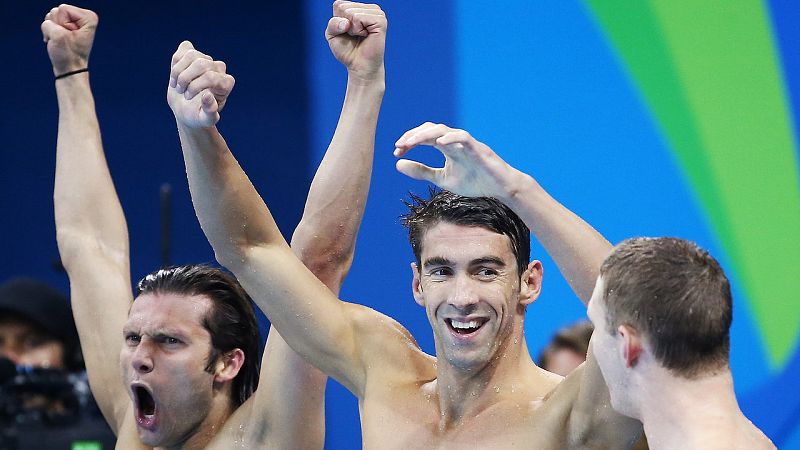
{"points": [[145, 406], [465, 327]]}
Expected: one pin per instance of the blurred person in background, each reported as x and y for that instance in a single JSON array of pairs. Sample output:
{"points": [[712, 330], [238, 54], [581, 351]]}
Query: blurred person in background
{"points": [[44, 396], [567, 350]]}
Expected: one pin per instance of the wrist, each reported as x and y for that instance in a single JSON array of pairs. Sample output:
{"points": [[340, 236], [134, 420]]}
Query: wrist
{"points": [[63, 67], [375, 79], [519, 185], [193, 130], [71, 73]]}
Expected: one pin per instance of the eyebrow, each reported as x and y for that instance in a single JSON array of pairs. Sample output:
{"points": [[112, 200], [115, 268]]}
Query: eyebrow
{"points": [[485, 260], [437, 261], [491, 260]]}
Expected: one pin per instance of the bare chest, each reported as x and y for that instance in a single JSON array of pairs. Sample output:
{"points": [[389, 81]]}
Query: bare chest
{"points": [[408, 419]]}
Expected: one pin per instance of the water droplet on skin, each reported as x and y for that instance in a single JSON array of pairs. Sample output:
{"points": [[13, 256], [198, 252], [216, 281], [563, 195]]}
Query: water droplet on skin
{"points": [[497, 389]]}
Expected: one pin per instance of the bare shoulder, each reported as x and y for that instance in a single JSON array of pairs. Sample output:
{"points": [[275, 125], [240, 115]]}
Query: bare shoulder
{"points": [[388, 346]]}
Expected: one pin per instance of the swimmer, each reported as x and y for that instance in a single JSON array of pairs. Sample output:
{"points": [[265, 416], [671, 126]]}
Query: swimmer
{"points": [[662, 311], [472, 276], [187, 346]]}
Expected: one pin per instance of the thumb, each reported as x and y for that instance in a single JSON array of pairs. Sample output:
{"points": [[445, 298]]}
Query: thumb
{"points": [[49, 29], [209, 103], [417, 171], [336, 26]]}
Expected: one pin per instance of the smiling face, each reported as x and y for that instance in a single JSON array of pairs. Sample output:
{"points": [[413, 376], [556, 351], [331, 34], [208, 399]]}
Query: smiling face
{"points": [[163, 365], [472, 293]]}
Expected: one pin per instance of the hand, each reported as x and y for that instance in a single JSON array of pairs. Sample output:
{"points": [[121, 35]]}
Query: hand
{"points": [[471, 168], [69, 34], [198, 87], [357, 36]]}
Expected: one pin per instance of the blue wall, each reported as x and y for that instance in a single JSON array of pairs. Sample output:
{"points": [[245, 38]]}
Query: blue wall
{"points": [[536, 81]]}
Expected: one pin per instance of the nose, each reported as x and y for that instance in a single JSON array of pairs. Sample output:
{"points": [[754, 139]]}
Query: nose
{"points": [[464, 293], [142, 360]]}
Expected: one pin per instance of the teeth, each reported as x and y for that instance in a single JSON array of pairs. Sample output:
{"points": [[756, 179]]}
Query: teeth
{"points": [[464, 325]]}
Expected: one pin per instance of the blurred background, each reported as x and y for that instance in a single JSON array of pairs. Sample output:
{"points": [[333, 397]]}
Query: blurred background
{"points": [[646, 117]]}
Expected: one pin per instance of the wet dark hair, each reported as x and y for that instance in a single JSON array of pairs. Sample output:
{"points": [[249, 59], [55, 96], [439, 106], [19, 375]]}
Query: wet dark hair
{"points": [[230, 320], [484, 212], [677, 295]]}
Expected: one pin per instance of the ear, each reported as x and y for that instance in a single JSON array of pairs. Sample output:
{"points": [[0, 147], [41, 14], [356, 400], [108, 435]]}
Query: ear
{"points": [[416, 285], [631, 344], [531, 283], [228, 365]]}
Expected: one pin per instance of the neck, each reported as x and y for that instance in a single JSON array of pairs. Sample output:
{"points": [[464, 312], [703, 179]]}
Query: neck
{"points": [[681, 413], [467, 392], [221, 410]]}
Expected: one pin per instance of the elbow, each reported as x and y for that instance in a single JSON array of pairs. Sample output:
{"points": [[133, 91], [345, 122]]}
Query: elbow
{"points": [[329, 264], [77, 247], [232, 255]]}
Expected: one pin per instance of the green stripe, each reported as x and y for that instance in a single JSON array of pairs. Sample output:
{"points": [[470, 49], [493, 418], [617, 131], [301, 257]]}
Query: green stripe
{"points": [[708, 72]]}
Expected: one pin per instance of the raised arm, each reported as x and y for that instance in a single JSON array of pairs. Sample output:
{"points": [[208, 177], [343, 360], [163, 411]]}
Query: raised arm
{"points": [[237, 222], [325, 238], [90, 226], [471, 168], [326, 235]]}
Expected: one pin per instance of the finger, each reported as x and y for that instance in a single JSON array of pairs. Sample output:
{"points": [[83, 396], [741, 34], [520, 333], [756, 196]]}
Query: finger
{"points": [[400, 143], [209, 109], [195, 69], [416, 170], [336, 26], [78, 16], [49, 29], [341, 6], [455, 143], [219, 84], [63, 18], [365, 22], [220, 66], [426, 135], [209, 103], [183, 47]]}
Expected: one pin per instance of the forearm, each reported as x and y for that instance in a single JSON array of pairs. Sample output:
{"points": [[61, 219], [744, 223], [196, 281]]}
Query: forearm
{"points": [[325, 238], [233, 216], [87, 210], [247, 241], [576, 247]]}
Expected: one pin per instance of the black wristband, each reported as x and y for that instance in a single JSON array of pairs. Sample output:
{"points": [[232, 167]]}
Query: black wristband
{"points": [[69, 74]]}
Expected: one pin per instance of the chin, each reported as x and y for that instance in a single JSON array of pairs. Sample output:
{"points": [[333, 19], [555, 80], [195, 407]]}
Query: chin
{"points": [[150, 439], [467, 361]]}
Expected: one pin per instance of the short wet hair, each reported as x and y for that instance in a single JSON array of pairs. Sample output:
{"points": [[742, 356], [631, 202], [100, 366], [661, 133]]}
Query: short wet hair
{"points": [[677, 294], [230, 320], [484, 212]]}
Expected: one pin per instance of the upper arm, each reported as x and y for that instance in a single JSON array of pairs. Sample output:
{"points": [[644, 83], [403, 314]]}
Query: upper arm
{"points": [[100, 292], [312, 320], [592, 418]]}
